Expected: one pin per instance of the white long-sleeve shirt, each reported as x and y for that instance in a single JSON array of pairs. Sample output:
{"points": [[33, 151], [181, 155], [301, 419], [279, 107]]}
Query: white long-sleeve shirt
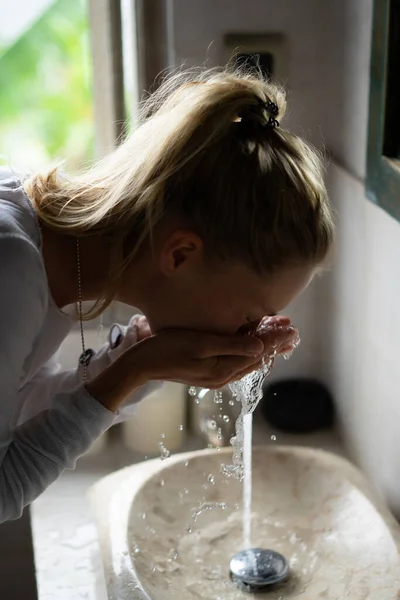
{"points": [[47, 418]]}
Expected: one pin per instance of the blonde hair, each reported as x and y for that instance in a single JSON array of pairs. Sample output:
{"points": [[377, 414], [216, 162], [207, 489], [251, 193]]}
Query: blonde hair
{"points": [[204, 152]]}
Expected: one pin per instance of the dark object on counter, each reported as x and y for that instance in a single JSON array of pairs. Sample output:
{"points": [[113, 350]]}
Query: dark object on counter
{"points": [[297, 406]]}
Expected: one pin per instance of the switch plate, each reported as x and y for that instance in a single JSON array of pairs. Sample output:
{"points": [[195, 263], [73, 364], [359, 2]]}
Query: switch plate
{"points": [[270, 47]]}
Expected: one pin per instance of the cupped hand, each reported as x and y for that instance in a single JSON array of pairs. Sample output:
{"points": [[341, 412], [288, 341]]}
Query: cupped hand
{"points": [[278, 336], [197, 358]]}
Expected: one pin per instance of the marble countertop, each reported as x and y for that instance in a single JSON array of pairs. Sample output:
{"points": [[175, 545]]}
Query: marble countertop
{"points": [[67, 553]]}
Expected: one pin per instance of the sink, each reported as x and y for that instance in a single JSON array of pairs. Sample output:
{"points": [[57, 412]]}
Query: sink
{"points": [[168, 529]]}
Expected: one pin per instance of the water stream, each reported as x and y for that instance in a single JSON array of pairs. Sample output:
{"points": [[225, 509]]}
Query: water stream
{"points": [[249, 391], [247, 478]]}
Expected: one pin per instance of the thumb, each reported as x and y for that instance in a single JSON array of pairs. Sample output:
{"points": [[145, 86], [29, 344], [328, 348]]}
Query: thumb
{"points": [[142, 328]]}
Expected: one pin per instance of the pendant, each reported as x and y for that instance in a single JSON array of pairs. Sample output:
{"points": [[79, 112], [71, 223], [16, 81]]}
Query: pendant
{"points": [[86, 357]]}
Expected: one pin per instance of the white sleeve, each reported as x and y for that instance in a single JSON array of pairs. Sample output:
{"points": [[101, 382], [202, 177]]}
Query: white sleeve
{"points": [[34, 454], [51, 379]]}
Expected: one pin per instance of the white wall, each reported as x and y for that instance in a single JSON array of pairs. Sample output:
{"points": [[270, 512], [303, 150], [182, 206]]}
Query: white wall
{"points": [[362, 319], [350, 318], [362, 329], [200, 25]]}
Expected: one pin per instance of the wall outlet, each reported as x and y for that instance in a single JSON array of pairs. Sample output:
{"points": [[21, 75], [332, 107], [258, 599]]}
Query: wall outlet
{"points": [[268, 50]]}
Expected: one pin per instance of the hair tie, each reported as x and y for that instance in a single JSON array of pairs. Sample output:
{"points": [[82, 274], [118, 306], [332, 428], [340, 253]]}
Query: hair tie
{"points": [[254, 120], [272, 110]]}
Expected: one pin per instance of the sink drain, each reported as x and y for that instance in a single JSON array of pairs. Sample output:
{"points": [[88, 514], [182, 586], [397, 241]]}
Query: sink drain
{"points": [[255, 569]]}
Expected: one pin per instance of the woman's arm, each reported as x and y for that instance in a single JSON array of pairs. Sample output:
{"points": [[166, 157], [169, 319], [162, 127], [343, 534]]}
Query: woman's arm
{"points": [[34, 454], [52, 379]]}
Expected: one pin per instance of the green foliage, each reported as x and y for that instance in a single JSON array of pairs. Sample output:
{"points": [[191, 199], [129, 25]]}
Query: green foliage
{"points": [[46, 98]]}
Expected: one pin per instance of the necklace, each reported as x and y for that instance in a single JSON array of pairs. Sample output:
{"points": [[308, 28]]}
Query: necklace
{"points": [[86, 354]]}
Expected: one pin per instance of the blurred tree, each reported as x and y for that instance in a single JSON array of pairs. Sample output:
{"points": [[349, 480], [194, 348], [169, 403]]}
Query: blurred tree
{"points": [[46, 97]]}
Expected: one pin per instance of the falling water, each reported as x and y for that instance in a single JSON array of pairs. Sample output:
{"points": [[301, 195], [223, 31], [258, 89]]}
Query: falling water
{"points": [[249, 391], [247, 478]]}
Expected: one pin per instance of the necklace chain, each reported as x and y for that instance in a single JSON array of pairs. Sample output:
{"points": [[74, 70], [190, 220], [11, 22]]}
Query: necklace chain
{"points": [[80, 311]]}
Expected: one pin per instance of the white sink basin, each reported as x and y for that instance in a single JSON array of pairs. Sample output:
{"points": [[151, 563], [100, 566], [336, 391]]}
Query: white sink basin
{"points": [[312, 506]]}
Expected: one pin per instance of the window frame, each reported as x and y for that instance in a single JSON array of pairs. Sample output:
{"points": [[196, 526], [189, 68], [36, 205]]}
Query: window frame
{"points": [[383, 173]]}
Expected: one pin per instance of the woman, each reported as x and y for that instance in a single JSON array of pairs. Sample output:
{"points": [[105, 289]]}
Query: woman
{"points": [[208, 218]]}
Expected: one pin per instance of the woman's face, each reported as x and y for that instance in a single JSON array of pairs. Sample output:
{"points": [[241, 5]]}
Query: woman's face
{"points": [[177, 288]]}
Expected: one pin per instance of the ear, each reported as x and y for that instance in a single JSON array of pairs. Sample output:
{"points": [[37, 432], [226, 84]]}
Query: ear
{"points": [[180, 249]]}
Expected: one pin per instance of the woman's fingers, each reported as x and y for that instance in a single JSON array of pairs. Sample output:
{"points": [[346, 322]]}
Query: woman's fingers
{"points": [[276, 319], [142, 328], [286, 349], [209, 345], [227, 368], [273, 340]]}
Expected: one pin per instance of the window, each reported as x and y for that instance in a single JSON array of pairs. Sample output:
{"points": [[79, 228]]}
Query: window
{"points": [[383, 156], [68, 85], [46, 108]]}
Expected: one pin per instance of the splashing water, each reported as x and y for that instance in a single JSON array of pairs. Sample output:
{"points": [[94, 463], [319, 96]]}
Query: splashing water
{"points": [[249, 391], [206, 506], [164, 452]]}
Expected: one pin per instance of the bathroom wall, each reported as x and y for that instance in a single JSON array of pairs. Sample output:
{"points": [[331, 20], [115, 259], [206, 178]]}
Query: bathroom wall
{"points": [[349, 319], [361, 348]]}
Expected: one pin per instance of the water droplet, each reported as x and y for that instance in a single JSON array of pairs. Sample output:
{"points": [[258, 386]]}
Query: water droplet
{"points": [[226, 418], [162, 482], [180, 427], [193, 390], [212, 424], [273, 438], [157, 568], [164, 453], [231, 403], [211, 479], [143, 516], [186, 463], [196, 401], [204, 507]]}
